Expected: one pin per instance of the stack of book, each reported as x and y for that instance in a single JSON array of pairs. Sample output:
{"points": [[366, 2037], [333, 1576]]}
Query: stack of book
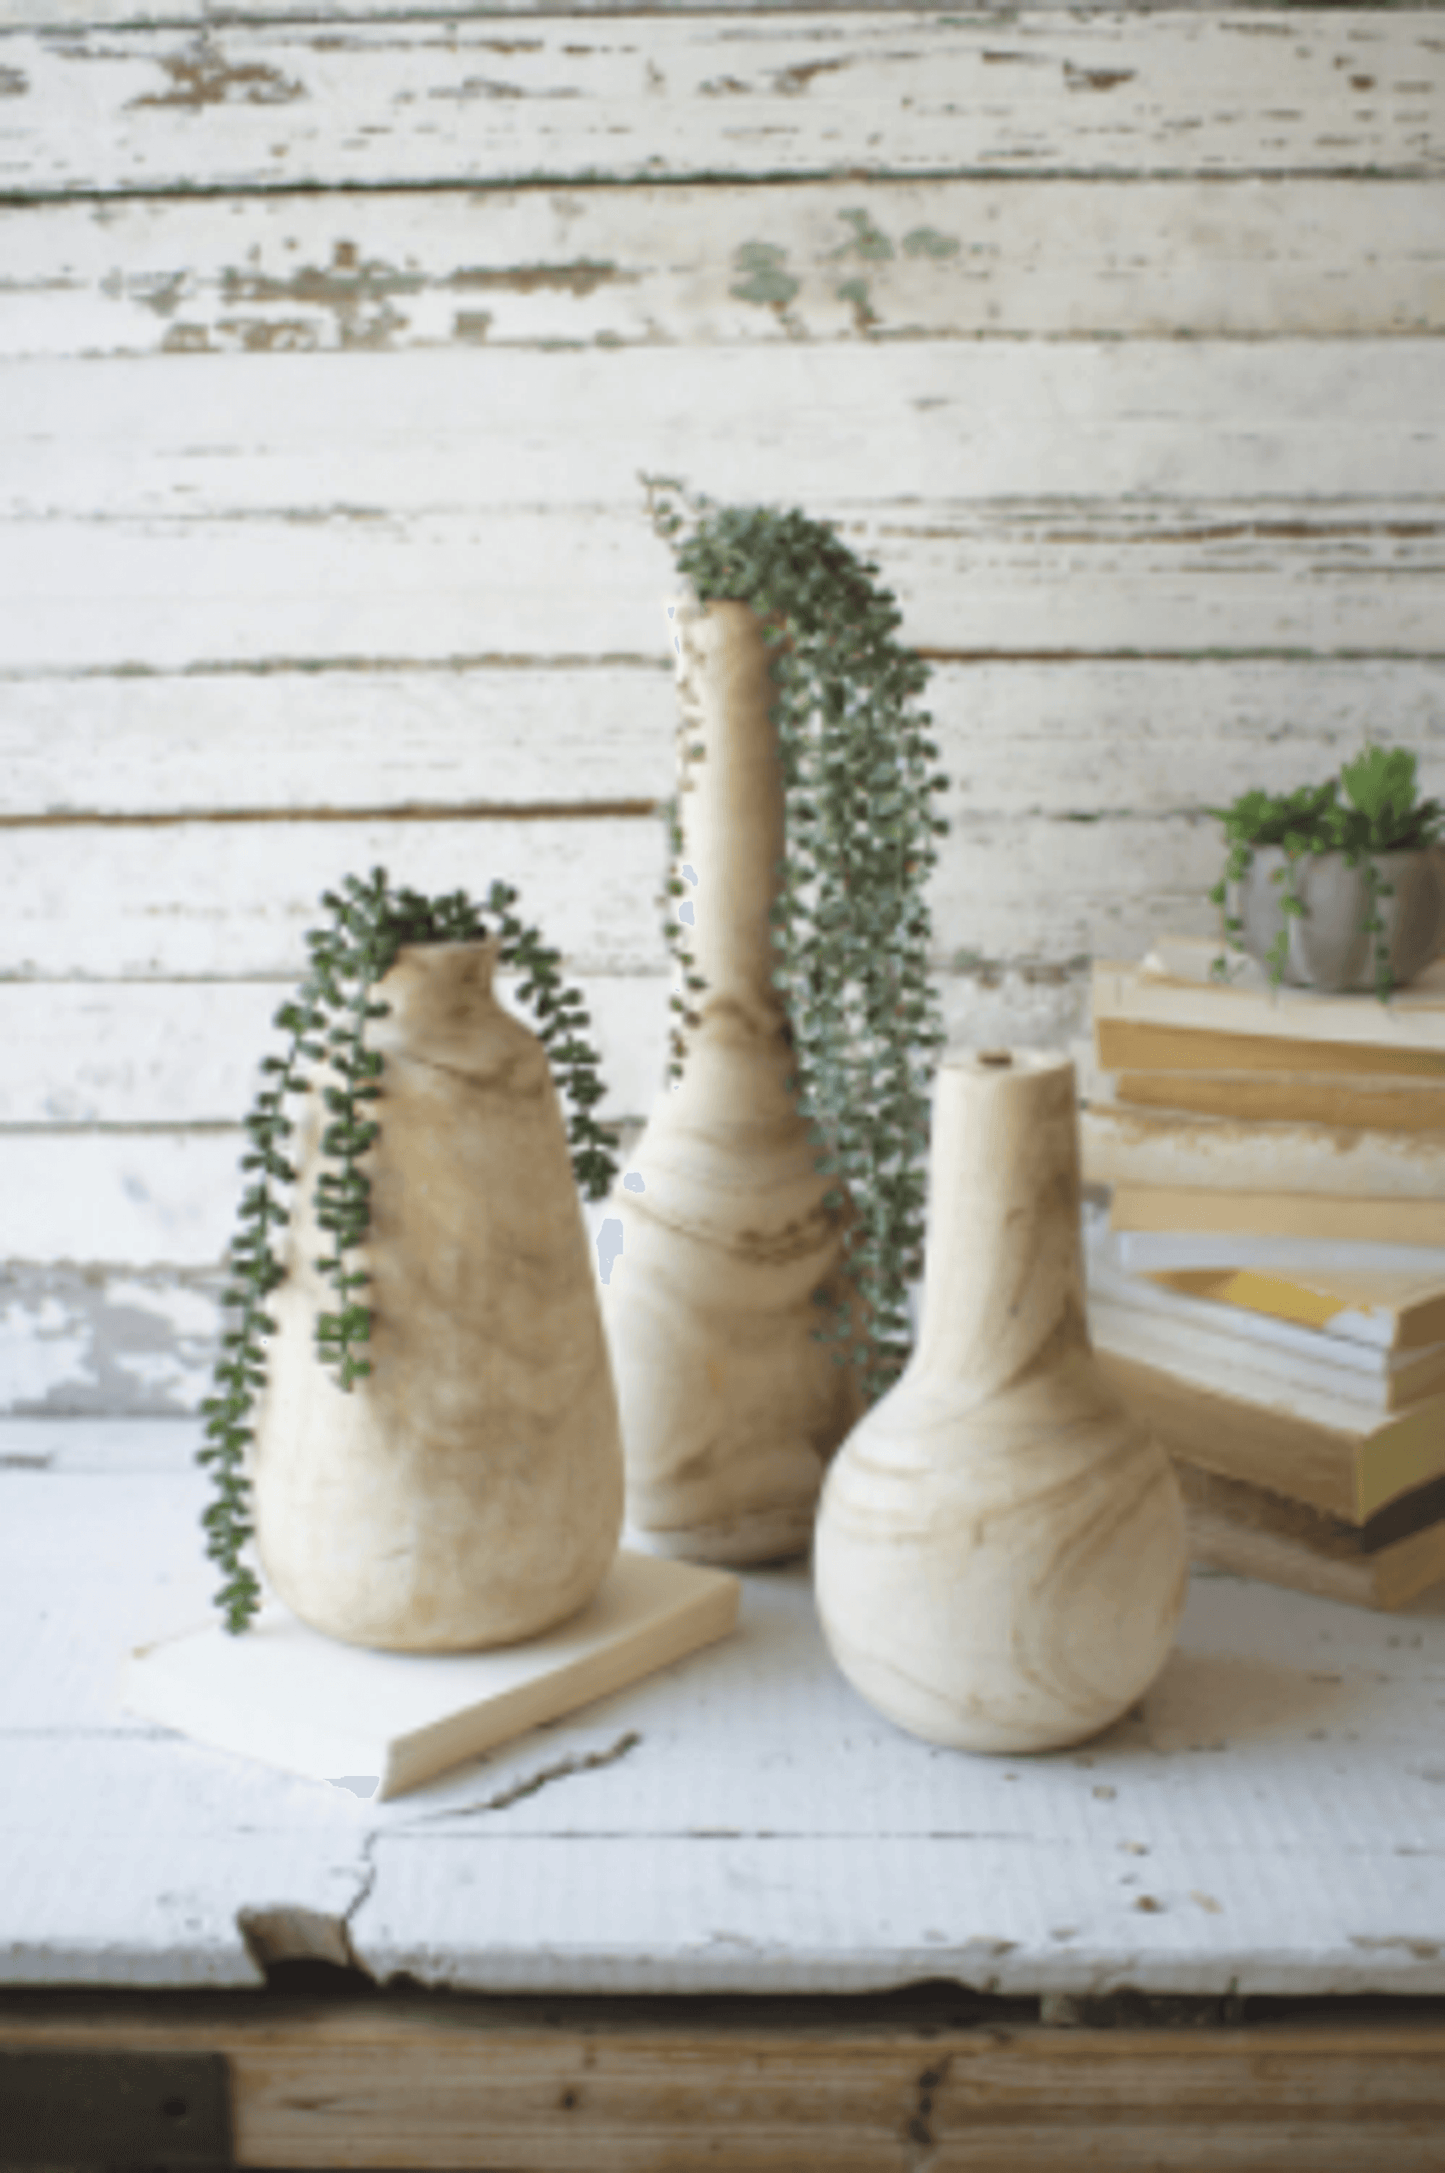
{"points": [[1268, 1287]]}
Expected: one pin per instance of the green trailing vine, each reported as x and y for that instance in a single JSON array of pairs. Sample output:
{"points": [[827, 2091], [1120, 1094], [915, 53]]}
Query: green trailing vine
{"points": [[1380, 812], [325, 1023], [851, 922]]}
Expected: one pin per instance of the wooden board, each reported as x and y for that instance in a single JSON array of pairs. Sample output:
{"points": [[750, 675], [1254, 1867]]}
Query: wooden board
{"points": [[692, 264], [657, 97], [1020, 738], [389, 1721], [913, 434], [770, 2086], [1111, 336], [1264, 1823]]}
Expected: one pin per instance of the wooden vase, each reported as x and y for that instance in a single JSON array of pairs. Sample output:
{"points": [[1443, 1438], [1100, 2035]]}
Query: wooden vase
{"points": [[468, 1492], [730, 1405], [1001, 1560]]}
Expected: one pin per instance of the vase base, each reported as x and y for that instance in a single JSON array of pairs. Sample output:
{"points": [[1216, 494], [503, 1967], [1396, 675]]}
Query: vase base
{"points": [[749, 1539]]}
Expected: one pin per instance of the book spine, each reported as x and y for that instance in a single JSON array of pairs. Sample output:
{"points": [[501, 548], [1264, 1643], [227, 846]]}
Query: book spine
{"points": [[1411, 1020], [1147, 1147], [1279, 1215]]}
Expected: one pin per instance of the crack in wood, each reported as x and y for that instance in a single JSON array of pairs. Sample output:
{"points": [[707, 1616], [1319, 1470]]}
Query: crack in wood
{"points": [[562, 1769]]}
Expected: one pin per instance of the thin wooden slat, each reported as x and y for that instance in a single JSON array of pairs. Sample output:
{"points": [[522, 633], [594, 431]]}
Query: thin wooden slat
{"points": [[353, 443], [224, 900], [440, 739], [162, 1053], [691, 265], [1016, 738], [769, 2089], [652, 97], [991, 580], [217, 900], [188, 1052]]}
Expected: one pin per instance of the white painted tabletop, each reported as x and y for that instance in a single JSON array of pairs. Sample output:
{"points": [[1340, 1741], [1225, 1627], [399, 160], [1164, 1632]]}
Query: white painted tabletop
{"points": [[1273, 1819]]}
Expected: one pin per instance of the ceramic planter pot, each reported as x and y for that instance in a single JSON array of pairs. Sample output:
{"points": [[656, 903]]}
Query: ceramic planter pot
{"points": [[1000, 1561], [730, 1406], [468, 1492], [1328, 946]]}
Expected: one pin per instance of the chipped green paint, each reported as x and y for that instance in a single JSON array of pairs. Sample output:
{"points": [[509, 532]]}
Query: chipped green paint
{"points": [[867, 240], [472, 325], [856, 292], [926, 241], [14, 83], [766, 281]]}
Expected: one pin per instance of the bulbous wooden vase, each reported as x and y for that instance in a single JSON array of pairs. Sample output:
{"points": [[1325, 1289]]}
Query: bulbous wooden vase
{"points": [[468, 1492], [1000, 1560], [730, 1405]]}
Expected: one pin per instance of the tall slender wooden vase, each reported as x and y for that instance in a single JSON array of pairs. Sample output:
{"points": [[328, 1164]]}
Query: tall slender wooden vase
{"points": [[468, 1492], [1001, 1559], [730, 1406]]}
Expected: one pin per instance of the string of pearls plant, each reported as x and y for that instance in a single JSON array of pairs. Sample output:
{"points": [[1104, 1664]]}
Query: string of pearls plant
{"points": [[325, 1023], [851, 921]]}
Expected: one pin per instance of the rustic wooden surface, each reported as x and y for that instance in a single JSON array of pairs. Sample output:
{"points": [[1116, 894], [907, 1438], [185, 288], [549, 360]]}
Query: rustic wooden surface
{"points": [[332, 340], [941, 2084], [1269, 1822]]}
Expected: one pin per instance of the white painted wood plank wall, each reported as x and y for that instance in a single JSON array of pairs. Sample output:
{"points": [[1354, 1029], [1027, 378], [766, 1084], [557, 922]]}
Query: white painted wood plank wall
{"points": [[332, 340]]}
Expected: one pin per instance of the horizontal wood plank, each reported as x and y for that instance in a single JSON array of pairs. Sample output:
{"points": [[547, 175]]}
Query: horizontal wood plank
{"points": [[1017, 738], [588, 2086], [218, 900], [699, 265], [1332, 578], [246, 105], [230, 901], [189, 1052], [352, 442], [445, 739]]}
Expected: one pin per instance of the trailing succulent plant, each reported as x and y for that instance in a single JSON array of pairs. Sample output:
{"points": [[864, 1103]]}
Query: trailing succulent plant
{"points": [[325, 1023], [1381, 812], [851, 921]]}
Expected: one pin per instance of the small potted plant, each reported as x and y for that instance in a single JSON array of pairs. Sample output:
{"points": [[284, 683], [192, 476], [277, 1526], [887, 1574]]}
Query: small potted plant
{"points": [[1336, 886], [413, 1403], [774, 1219]]}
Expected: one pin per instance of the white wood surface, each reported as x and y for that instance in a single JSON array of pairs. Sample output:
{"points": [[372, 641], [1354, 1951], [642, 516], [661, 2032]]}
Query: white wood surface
{"points": [[691, 264], [272, 104], [332, 339], [1019, 736], [1272, 1822]]}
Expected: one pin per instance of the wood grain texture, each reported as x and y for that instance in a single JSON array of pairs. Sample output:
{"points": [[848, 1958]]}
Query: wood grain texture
{"points": [[1141, 326], [267, 105], [768, 1833], [203, 900], [730, 1404], [974, 1517], [1018, 737], [467, 1492], [692, 265], [762, 2091], [858, 431]]}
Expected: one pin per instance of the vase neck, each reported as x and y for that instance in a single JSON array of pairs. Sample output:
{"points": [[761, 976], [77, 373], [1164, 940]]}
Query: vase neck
{"points": [[435, 993], [730, 805], [1004, 1289]]}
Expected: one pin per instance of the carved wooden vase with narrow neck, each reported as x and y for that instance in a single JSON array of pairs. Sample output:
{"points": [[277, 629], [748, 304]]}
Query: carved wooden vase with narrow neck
{"points": [[730, 1405], [1001, 1559], [468, 1491]]}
